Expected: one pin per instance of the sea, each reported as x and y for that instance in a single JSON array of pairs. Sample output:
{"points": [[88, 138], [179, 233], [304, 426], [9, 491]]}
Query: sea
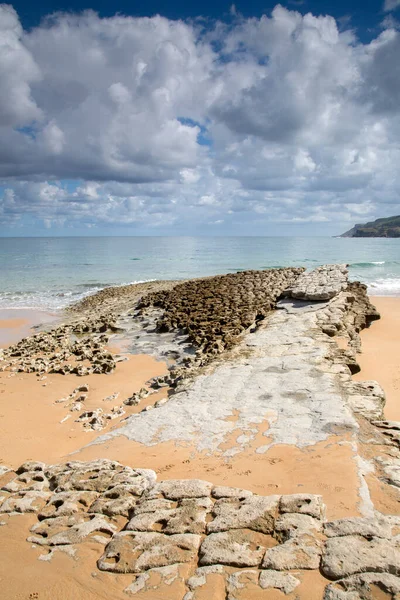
{"points": [[50, 273]]}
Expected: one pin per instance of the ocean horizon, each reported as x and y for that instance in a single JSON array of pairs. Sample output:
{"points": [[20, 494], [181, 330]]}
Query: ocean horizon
{"points": [[49, 273]]}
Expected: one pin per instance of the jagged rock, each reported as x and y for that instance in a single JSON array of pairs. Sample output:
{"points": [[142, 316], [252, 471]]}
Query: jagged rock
{"points": [[134, 552], [215, 311], [368, 586], [67, 503], [92, 419], [306, 504], [302, 552], [344, 556], [72, 529], [238, 548], [285, 582], [175, 489], [189, 516], [367, 398], [255, 512], [364, 526]]}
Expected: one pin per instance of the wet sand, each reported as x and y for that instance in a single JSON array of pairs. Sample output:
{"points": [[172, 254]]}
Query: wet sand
{"points": [[18, 323]]}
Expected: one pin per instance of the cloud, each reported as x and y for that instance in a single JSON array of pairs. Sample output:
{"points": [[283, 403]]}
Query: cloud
{"points": [[149, 122], [390, 5]]}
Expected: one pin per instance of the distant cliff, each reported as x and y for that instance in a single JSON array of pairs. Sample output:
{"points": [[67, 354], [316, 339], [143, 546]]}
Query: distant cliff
{"points": [[389, 227]]}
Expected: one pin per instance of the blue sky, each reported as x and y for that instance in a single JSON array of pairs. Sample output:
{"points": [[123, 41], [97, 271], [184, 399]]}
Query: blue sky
{"points": [[212, 119]]}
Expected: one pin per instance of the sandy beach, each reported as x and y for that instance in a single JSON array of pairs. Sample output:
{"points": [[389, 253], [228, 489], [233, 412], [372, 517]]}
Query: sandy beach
{"points": [[380, 357], [38, 422]]}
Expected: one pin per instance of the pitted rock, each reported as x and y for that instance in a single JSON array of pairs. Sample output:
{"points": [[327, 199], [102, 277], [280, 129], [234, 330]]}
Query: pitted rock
{"points": [[256, 512], [344, 556], [67, 503], [306, 504], [291, 525], [31, 465], [134, 552], [24, 502], [238, 548], [302, 552], [188, 517], [119, 500], [72, 529], [175, 489], [34, 480], [99, 476]]}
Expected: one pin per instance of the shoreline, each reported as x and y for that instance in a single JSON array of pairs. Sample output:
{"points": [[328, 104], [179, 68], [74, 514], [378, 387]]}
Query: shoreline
{"points": [[16, 323], [324, 458]]}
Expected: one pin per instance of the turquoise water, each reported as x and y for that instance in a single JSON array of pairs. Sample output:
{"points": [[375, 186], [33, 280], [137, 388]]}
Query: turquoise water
{"points": [[49, 273]]}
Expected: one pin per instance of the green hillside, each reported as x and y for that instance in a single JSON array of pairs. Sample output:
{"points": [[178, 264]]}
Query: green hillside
{"points": [[388, 227]]}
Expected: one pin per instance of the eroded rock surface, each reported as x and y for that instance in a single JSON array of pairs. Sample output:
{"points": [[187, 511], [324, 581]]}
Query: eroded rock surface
{"points": [[218, 541]]}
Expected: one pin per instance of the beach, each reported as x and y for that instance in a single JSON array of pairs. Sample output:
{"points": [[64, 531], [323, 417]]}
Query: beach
{"points": [[271, 410]]}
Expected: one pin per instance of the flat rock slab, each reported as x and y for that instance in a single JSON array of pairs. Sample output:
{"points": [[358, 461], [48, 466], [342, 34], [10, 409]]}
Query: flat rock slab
{"points": [[285, 378], [237, 548], [322, 283], [344, 556], [302, 552], [291, 525], [305, 504], [257, 513], [174, 489], [363, 526], [133, 552]]}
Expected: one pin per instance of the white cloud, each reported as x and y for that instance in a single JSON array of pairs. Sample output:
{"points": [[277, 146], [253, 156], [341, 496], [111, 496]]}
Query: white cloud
{"points": [[302, 121], [391, 5]]}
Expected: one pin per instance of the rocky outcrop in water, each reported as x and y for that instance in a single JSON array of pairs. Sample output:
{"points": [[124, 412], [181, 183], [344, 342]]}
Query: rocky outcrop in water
{"points": [[215, 311]]}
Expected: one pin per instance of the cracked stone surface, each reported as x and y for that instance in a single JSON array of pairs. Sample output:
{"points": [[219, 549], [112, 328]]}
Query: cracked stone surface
{"points": [[257, 513], [71, 530], [286, 365], [300, 552], [133, 552], [344, 556], [239, 547], [189, 535]]}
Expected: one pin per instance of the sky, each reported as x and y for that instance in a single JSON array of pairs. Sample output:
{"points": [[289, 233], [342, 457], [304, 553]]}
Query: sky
{"points": [[211, 118]]}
